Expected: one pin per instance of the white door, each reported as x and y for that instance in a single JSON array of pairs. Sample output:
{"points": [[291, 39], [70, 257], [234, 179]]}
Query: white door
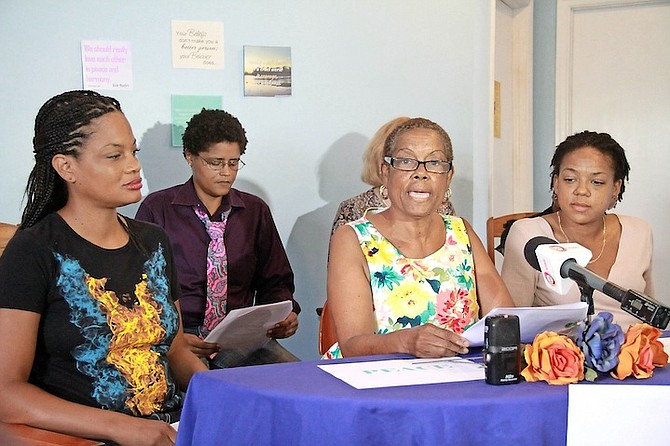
{"points": [[613, 76]]}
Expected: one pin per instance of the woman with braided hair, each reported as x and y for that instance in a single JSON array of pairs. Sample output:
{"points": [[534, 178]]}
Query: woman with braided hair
{"points": [[91, 342]]}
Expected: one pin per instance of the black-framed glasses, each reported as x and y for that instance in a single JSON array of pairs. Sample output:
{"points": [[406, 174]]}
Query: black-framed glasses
{"points": [[217, 164], [411, 164]]}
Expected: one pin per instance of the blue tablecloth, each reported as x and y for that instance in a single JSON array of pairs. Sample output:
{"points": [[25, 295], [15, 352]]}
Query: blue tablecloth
{"points": [[300, 404]]}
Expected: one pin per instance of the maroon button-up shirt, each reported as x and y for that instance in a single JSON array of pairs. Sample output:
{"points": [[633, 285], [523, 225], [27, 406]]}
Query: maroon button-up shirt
{"points": [[258, 268]]}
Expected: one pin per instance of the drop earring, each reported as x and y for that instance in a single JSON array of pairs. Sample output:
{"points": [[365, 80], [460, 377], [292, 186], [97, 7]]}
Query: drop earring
{"points": [[447, 196], [383, 192]]}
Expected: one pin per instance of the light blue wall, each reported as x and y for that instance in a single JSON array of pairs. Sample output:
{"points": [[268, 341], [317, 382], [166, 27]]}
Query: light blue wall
{"points": [[356, 64], [544, 102]]}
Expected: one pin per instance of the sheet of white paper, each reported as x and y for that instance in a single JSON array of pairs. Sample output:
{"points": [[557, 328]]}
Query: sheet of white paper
{"points": [[666, 346], [245, 328], [405, 372], [533, 320], [617, 414]]}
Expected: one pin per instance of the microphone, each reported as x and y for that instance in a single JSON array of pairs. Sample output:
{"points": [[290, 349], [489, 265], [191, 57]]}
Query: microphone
{"points": [[547, 256], [559, 261]]}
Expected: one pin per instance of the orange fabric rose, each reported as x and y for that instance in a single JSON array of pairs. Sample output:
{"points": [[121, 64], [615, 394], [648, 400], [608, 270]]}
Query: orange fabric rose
{"points": [[640, 353], [553, 358]]}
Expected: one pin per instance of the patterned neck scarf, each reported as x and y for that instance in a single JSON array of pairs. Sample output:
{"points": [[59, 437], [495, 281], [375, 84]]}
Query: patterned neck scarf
{"points": [[217, 271]]}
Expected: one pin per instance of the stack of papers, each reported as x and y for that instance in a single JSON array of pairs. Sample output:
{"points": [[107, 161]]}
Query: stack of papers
{"points": [[533, 320]]}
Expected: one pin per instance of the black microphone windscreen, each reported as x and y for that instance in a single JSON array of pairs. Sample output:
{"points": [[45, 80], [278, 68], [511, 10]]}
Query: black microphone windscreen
{"points": [[531, 246]]}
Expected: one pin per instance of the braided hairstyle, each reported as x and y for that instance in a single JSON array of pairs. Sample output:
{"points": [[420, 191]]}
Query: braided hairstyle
{"points": [[603, 143], [59, 129]]}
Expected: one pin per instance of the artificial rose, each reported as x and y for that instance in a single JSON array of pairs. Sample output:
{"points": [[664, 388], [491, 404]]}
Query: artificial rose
{"points": [[640, 353], [600, 343], [553, 358]]}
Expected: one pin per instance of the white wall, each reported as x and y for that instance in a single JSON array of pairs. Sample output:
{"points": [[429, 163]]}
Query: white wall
{"points": [[356, 64]]}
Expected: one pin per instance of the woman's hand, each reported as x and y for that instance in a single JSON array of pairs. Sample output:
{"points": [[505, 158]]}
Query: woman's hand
{"points": [[199, 347], [430, 341], [285, 328], [143, 432]]}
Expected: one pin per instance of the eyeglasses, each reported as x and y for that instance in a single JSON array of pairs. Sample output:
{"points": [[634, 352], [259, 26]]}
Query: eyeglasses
{"points": [[217, 164], [411, 164]]}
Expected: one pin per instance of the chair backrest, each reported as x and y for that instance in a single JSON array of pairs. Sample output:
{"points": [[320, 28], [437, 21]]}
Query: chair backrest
{"points": [[327, 336], [495, 227], [6, 232], [21, 434]]}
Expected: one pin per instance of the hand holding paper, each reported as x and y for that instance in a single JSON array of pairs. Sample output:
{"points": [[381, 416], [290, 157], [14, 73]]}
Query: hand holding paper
{"points": [[286, 328], [246, 329]]}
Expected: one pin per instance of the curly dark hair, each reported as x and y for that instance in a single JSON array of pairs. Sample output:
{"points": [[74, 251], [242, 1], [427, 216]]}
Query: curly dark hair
{"points": [[418, 123], [60, 128], [211, 127], [603, 143]]}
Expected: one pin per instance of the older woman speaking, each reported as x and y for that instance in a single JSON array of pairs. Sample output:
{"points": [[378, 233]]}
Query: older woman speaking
{"points": [[409, 280]]}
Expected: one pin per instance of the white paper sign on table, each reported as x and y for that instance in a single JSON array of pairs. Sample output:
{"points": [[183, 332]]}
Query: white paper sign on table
{"points": [[405, 372]]}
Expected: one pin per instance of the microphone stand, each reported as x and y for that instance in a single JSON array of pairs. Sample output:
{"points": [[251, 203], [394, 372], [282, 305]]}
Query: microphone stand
{"points": [[586, 292]]}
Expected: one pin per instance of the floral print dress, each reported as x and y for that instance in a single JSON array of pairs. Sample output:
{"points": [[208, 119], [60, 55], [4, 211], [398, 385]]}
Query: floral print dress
{"points": [[438, 289]]}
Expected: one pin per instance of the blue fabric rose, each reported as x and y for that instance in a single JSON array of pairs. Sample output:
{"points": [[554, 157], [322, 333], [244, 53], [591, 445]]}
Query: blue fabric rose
{"points": [[600, 342]]}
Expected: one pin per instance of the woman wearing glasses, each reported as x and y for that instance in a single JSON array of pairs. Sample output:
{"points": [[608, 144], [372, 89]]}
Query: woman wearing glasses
{"points": [[226, 245], [375, 199], [407, 279]]}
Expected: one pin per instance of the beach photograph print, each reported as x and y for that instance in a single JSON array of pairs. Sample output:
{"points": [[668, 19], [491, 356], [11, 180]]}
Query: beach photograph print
{"points": [[267, 71]]}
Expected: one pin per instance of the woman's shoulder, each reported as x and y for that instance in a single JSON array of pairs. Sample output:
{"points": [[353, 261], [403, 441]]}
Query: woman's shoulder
{"points": [[239, 198], [146, 230], [452, 219], [37, 240], [361, 227], [360, 222], [364, 197], [453, 222], [636, 224], [522, 230], [354, 207], [538, 225]]}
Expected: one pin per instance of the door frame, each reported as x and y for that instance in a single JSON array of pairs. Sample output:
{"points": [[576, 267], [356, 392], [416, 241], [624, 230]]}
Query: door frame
{"points": [[521, 150]]}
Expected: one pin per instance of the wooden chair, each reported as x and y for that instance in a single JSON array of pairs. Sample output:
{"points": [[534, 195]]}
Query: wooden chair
{"points": [[327, 336], [495, 227], [22, 435], [7, 231]]}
